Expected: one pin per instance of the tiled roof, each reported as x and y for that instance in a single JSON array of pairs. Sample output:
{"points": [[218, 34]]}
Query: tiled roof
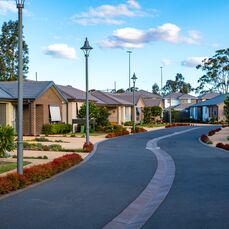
{"points": [[178, 95], [146, 94], [211, 102], [109, 98], [208, 95], [72, 93], [152, 102], [5, 95], [128, 96], [31, 89]]}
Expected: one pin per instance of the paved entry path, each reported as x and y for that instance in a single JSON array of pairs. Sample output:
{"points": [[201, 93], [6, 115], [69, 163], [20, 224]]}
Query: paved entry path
{"points": [[91, 195]]}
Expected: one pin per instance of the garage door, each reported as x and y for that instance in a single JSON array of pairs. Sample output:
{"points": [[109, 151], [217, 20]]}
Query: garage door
{"points": [[2, 114]]}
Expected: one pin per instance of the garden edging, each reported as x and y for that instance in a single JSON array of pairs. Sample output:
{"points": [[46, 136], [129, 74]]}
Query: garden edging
{"points": [[87, 158]]}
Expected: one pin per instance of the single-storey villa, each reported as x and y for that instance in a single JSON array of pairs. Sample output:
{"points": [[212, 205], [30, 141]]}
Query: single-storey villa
{"points": [[119, 109], [209, 109], [76, 98], [42, 104]]}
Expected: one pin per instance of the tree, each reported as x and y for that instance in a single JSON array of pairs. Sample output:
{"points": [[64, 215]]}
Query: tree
{"points": [[226, 108], [216, 77], [151, 114], [177, 85], [9, 52], [155, 89], [100, 114], [121, 90], [131, 89]]}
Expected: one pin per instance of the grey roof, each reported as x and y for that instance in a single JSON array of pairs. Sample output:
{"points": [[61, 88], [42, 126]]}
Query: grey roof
{"points": [[211, 102], [109, 98], [146, 94], [208, 95], [128, 96], [181, 107], [72, 93], [5, 95], [149, 102], [31, 89], [178, 95]]}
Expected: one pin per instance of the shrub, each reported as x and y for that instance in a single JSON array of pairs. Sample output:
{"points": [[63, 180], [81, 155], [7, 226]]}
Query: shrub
{"points": [[41, 139], [55, 147], [138, 130], [59, 128], [6, 140], [222, 146], [204, 138], [129, 123], [117, 134], [177, 124], [212, 132], [88, 147], [37, 173]]}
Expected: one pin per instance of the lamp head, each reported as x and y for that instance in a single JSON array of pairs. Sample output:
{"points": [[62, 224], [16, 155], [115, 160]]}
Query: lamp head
{"points": [[86, 48], [134, 78], [20, 3]]}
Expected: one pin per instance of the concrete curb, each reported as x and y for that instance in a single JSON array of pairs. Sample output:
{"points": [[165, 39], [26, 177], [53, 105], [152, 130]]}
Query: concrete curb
{"points": [[87, 158], [144, 206]]}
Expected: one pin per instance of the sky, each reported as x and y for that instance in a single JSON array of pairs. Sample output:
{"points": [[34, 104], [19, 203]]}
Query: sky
{"points": [[176, 35]]}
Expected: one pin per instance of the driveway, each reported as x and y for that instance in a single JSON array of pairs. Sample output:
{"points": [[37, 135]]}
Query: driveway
{"points": [[91, 195]]}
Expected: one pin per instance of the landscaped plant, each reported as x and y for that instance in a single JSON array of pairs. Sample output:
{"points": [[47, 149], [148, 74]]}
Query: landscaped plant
{"points": [[138, 130], [222, 146], [38, 157], [6, 140], [151, 114], [53, 147], [37, 173], [178, 124], [226, 108], [204, 138], [212, 132], [129, 123], [59, 128], [88, 148]]}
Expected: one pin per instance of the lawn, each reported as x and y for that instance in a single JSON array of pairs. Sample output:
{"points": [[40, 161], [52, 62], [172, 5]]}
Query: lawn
{"points": [[7, 166]]}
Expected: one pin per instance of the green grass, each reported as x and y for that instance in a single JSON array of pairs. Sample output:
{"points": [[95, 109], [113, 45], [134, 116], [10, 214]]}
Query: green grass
{"points": [[7, 166]]}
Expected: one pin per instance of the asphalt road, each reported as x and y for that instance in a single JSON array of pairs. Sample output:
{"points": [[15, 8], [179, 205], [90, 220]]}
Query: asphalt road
{"points": [[89, 196], [92, 194], [199, 197]]}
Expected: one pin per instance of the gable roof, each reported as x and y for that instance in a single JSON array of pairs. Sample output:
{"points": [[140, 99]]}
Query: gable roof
{"points": [[179, 95], [146, 94], [109, 98], [152, 102], [31, 89], [208, 95], [211, 102], [72, 93], [128, 96]]}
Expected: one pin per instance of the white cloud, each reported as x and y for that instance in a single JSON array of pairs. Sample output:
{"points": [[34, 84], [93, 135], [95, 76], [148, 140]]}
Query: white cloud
{"points": [[61, 51], [167, 32], [166, 62], [7, 6], [111, 14], [134, 4], [192, 62]]}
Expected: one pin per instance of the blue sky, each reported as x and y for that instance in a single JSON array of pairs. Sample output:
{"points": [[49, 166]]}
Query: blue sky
{"points": [[173, 34]]}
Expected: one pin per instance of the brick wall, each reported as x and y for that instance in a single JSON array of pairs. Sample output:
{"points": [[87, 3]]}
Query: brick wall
{"points": [[40, 111]]}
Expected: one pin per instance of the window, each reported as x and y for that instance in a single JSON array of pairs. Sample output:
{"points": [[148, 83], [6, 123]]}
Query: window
{"points": [[55, 113], [2, 114]]}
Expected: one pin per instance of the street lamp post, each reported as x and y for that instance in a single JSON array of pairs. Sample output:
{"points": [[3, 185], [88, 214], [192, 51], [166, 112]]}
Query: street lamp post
{"points": [[134, 78], [86, 49], [20, 6], [129, 52]]}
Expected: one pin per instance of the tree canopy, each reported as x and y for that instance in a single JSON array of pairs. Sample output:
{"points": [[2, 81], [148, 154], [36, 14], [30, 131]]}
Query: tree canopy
{"points": [[9, 52], [155, 89], [216, 77], [177, 85]]}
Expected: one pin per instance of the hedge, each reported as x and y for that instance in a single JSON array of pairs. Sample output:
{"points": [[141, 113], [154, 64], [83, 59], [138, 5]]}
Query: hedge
{"points": [[37, 173], [59, 128]]}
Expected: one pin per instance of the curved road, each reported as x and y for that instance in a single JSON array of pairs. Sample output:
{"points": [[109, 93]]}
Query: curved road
{"points": [[91, 195]]}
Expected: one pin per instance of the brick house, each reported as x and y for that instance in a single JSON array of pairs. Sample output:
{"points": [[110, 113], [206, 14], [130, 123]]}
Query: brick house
{"points": [[42, 104]]}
